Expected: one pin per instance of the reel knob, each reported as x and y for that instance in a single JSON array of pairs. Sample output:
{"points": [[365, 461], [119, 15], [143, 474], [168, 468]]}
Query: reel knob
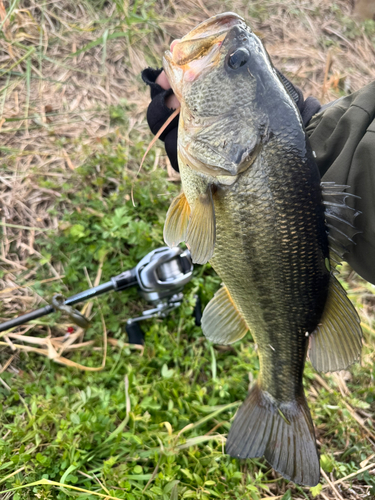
{"points": [[135, 333]]}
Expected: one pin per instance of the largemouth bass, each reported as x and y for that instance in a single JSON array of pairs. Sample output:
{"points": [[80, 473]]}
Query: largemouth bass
{"points": [[253, 205]]}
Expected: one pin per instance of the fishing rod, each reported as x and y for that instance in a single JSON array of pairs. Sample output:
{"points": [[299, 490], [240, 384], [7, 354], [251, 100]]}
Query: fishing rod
{"points": [[159, 277]]}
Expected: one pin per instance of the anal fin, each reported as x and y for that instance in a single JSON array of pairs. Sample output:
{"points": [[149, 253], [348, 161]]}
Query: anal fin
{"points": [[201, 231], [281, 432], [222, 322], [337, 341], [176, 221]]}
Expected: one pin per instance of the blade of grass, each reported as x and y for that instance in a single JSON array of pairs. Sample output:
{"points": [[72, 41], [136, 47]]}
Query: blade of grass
{"points": [[208, 417], [9, 13], [353, 474], [4, 90], [160, 131], [104, 55], [213, 363], [16, 226], [27, 105], [11, 474], [25, 56], [70, 469], [48, 482], [200, 439], [99, 41], [124, 423]]}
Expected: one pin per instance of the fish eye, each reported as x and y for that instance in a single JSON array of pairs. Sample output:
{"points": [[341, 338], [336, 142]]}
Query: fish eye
{"points": [[238, 58]]}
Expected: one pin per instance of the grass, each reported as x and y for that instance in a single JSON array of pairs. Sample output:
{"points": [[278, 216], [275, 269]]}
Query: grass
{"points": [[152, 423]]}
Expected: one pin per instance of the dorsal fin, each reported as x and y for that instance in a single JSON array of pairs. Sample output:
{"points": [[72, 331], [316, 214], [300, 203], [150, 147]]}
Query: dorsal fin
{"points": [[339, 220]]}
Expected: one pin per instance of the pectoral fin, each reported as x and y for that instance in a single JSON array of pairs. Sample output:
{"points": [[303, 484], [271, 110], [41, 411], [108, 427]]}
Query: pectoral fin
{"points": [[222, 322], [201, 231], [337, 341], [177, 221]]}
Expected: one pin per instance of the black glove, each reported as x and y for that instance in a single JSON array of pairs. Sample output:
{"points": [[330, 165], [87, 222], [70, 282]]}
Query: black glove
{"points": [[158, 113]]}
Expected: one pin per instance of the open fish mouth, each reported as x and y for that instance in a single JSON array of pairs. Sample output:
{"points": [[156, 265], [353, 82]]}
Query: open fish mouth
{"points": [[201, 39], [199, 49]]}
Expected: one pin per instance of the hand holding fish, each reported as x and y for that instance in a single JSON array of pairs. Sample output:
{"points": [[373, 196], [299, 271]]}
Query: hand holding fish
{"points": [[171, 101]]}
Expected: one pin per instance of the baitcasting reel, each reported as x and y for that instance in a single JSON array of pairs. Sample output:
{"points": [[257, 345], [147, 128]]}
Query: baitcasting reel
{"points": [[160, 277]]}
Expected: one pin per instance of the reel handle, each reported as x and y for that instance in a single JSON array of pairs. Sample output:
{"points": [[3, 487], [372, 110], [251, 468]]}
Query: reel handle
{"points": [[135, 333]]}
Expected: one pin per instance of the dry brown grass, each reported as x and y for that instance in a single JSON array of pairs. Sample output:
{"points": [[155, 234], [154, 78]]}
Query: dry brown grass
{"points": [[62, 116]]}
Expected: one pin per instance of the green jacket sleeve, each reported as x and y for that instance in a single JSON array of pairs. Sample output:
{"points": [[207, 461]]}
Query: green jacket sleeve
{"points": [[343, 138]]}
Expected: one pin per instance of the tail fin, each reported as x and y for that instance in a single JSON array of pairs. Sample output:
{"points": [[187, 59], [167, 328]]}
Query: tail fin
{"points": [[284, 434]]}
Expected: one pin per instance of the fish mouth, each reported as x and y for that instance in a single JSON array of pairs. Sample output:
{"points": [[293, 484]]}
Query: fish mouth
{"points": [[199, 49], [200, 40]]}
